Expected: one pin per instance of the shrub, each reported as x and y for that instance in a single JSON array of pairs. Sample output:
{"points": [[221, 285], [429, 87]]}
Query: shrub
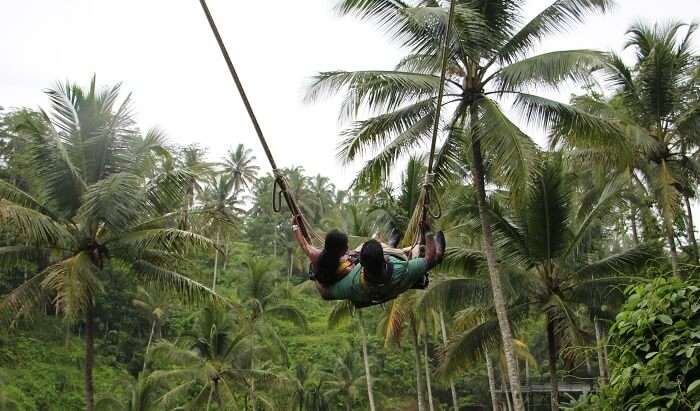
{"points": [[655, 350]]}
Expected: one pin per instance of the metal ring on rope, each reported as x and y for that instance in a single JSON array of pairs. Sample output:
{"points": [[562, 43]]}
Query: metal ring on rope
{"points": [[432, 197], [276, 196], [437, 213]]}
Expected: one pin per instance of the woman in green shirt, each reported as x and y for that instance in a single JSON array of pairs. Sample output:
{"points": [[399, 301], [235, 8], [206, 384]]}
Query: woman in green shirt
{"points": [[378, 277]]}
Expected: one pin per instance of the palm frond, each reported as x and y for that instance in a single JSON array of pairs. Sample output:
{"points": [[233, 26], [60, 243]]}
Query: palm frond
{"points": [[464, 260], [550, 70], [564, 120], [609, 196], [622, 263], [342, 311], [115, 201], [379, 167], [25, 298], [452, 293], [168, 239], [14, 254], [465, 348], [556, 18], [373, 133], [289, 313], [13, 194], [33, 226], [512, 152], [376, 90], [189, 290], [76, 284]]}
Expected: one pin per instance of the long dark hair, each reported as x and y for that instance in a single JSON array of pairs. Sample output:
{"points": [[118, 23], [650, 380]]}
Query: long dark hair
{"points": [[334, 248], [372, 260]]}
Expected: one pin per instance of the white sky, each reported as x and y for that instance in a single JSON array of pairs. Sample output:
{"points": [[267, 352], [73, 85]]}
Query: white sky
{"points": [[163, 51]]}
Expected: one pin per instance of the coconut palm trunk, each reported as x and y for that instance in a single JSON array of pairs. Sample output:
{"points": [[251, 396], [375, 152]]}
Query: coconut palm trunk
{"points": [[89, 358], [148, 345], [216, 259], [453, 390], [427, 375], [365, 358], [492, 381], [552, 350], [635, 231], [506, 393], [419, 377], [672, 249], [691, 229], [290, 260], [602, 363], [252, 379], [492, 262]]}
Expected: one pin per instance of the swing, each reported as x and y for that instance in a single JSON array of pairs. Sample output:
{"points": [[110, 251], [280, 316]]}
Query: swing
{"points": [[281, 186]]}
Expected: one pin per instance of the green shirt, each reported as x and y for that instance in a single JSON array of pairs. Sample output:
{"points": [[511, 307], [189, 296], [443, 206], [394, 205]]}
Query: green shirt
{"points": [[405, 275]]}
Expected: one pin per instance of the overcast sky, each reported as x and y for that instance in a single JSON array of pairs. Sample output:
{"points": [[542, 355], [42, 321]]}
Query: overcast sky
{"points": [[163, 52]]}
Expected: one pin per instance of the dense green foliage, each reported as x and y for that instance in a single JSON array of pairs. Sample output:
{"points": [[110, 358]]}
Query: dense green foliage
{"points": [[654, 347]]}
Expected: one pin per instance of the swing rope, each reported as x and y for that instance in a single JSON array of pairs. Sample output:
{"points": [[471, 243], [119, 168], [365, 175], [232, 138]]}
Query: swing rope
{"points": [[280, 181], [429, 192], [281, 186]]}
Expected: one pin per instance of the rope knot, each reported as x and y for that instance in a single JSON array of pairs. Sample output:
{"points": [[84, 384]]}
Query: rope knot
{"points": [[429, 180]]}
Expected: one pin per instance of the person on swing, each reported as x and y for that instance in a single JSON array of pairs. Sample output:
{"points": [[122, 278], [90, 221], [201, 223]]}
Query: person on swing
{"points": [[380, 276]]}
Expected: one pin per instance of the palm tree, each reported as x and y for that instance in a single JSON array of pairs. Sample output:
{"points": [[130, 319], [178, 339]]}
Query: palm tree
{"points": [[488, 59], [240, 168], [303, 384], [155, 306], [215, 360], [322, 192], [150, 153], [91, 211], [143, 397], [547, 244], [220, 211], [342, 383], [261, 300], [400, 316], [394, 207], [341, 312], [192, 159], [656, 110]]}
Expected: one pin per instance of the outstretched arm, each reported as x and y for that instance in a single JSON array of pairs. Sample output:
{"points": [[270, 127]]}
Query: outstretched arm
{"points": [[312, 252]]}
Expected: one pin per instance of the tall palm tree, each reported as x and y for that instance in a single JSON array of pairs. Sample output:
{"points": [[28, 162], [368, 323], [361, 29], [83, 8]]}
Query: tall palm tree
{"points": [[214, 359], [155, 306], [261, 301], [323, 193], [90, 211], [143, 397], [342, 311], [546, 241], [193, 160], [239, 165], [488, 60], [395, 207], [401, 316], [220, 211], [656, 108], [303, 381], [342, 383]]}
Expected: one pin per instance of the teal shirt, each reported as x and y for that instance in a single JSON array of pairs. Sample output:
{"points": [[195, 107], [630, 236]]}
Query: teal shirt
{"points": [[406, 274]]}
